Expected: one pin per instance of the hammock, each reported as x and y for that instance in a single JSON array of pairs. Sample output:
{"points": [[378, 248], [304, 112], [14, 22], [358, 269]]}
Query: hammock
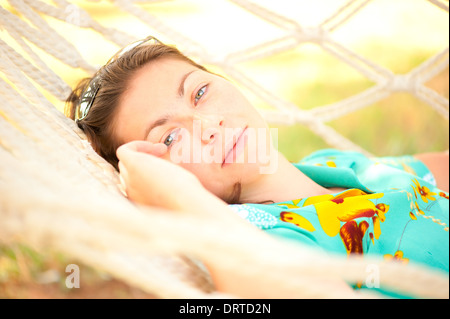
{"points": [[57, 193]]}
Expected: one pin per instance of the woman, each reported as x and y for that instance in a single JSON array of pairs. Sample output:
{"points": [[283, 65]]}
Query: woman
{"points": [[186, 139]]}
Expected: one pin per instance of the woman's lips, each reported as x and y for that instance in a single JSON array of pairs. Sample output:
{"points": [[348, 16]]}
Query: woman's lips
{"points": [[237, 147]]}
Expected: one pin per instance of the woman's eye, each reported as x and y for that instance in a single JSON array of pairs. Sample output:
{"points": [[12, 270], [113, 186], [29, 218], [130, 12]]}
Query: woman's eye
{"points": [[171, 138], [199, 94]]}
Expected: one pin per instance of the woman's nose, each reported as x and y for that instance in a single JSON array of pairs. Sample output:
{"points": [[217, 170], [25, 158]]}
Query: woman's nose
{"points": [[212, 126]]}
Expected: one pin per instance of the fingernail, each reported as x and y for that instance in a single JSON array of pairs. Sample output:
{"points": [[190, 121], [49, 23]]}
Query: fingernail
{"points": [[161, 148]]}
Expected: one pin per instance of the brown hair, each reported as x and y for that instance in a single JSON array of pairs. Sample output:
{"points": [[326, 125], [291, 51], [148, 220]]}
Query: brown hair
{"points": [[98, 124]]}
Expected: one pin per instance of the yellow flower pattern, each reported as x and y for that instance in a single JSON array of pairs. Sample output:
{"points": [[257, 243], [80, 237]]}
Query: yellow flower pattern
{"points": [[348, 206], [297, 220], [389, 209], [423, 191], [398, 256], [337, 214]]}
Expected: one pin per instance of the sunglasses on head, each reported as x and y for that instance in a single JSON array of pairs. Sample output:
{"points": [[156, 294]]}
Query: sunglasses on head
{"points": [[90, 92]]}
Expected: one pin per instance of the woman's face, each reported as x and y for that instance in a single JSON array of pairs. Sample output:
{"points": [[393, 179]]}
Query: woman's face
{"points": [[208, 125]]}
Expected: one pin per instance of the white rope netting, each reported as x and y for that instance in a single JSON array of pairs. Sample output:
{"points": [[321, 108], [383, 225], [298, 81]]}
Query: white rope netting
{"points": [[56, 192]]}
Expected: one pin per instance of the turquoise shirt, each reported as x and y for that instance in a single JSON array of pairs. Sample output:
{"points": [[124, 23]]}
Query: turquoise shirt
{"points": [[391, 208]]}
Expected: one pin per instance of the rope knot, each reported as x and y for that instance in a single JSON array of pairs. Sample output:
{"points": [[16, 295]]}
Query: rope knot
{"points": [[402, 82], [311, 34]]}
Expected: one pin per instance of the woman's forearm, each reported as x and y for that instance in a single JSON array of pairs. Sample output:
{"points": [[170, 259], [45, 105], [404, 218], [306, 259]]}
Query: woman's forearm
{"points": [[438, 164]]}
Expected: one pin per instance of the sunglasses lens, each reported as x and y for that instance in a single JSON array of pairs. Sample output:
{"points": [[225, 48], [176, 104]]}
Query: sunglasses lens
{"points": [[87, 99]]}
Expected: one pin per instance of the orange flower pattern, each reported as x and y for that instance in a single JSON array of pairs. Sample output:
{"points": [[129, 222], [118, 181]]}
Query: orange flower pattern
{"points": [[398, 256], [423, 191]]}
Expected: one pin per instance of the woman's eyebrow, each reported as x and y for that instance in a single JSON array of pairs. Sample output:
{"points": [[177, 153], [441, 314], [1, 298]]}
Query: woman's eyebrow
{"points": [[183, 80], [159, 122]]}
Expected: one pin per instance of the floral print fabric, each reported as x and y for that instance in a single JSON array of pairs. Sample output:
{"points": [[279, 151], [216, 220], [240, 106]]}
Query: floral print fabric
{"points": [[391, 208]]}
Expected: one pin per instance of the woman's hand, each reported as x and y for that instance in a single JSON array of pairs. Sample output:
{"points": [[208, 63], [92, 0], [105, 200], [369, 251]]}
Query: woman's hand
{"points": [[153, 181]]}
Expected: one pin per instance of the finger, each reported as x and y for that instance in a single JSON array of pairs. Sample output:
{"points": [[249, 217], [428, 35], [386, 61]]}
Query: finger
{"points": [[123, 173], [158, 149], [122, 169], [131, 161], [137, 146], [123, 178]]}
